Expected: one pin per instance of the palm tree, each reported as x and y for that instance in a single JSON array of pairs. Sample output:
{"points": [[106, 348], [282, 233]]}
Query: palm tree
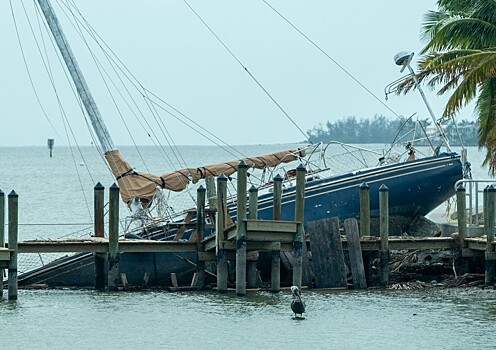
{"points": [[460, 57]]}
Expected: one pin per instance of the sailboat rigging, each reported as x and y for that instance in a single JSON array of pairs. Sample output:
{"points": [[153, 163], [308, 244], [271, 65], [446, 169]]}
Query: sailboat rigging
{"points": [[417, 186]]}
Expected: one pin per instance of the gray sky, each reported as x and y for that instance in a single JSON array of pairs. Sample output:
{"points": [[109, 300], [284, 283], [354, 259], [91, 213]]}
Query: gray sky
{"points": [[172, 53]]}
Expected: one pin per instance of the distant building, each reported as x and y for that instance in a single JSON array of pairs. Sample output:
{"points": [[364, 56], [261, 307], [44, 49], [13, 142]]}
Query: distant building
{"points": [[465, 130]]}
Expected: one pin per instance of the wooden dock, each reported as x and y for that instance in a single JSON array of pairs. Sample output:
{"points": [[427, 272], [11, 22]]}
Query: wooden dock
{"points": [[243, 242]]}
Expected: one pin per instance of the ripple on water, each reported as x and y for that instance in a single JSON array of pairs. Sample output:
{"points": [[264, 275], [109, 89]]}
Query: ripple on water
{"points": [[436, 318]]}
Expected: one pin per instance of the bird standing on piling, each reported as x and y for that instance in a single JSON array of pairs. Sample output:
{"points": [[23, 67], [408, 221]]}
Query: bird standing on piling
{"points": [[297, 305]]}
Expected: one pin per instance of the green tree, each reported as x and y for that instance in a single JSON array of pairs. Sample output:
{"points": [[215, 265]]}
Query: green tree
{"points": [[460, 57]]}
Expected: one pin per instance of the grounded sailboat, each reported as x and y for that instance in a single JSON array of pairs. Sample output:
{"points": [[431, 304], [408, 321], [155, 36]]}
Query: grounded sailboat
{"points": [[416, 186]]}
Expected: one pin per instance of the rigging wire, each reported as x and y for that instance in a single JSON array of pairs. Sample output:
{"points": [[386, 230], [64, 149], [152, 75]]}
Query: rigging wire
{"points": [[248, 72], [101, 68], [29, 72], [113, 65], [332, 59], [48, 68], [53, 86], [141, 89]]}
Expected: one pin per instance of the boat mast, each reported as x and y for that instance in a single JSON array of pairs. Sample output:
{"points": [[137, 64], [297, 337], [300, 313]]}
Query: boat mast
{"points": [[82, 88], [404, 58]]}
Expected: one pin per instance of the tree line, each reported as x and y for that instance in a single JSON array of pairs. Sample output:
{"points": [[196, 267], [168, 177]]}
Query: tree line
{"points": [[349, 129], [380, 129]]}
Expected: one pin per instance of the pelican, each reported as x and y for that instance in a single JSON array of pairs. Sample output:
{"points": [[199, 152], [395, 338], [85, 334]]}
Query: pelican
{"points": [[297, 305]]}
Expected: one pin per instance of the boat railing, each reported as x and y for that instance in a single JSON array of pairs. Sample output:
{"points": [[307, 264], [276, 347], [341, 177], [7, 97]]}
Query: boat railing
{"points": [[473, 192]]}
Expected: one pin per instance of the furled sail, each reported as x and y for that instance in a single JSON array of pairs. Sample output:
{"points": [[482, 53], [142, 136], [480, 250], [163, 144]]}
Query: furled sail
{"points": [[143, 185]]}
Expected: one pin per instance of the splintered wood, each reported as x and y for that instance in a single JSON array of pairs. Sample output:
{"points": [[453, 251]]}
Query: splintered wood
{"points": [[327, 253]]}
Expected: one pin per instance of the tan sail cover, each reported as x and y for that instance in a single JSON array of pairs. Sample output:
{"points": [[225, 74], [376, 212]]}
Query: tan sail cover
{"points": [[143, 185]]}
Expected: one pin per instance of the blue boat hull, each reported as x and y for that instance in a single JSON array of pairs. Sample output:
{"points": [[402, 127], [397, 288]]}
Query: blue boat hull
{"points": [[415, 187]]}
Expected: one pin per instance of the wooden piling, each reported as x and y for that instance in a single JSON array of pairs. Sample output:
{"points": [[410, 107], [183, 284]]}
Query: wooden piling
{"points": [[113, 265], [2, 234], [251, 265], [13, 204], [211, 193], [277, 197], [200, 229], [299, 217], [99, 227], [327, 253], [222, 213], [384, 234], [241, 230], [461, 210], [355, 254], [364, 210], [489, 222], [253, 203], [275, 273]]}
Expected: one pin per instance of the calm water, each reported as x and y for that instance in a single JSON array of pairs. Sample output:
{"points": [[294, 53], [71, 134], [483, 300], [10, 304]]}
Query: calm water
{"points": [[433, 319], [51, 193]]}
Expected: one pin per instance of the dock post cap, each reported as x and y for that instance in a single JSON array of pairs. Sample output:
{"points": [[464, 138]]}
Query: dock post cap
{"points": [[201, 189], [114, 187], [301, 167], [13, 194], [99, 186], [222, 177], [253, 188], [383, 188], [242, 164], [278, 178], [364, 186], [460, 187], [490, 188]]}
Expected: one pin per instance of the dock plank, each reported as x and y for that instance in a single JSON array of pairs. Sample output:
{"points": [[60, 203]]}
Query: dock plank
{"points": [[100, 245], [271, 225], [327, 253]]}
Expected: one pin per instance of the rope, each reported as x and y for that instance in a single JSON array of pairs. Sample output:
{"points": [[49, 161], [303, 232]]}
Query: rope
{"points": [[64, 117], [332, 59], [249, 73]]}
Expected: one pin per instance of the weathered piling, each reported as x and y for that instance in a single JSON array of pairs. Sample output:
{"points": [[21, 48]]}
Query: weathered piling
{"points": [[113, 265], [275, 275], [251, 267], [241, 230], [2, 234], [99, 226], [200, 229], [253, 203], [364, 210], [299, 217], [384, 234], [13, 203], [461, 209], [355, 254], [328, 263], [222, 271], [489, 221], [277, 197], [211, 192]]}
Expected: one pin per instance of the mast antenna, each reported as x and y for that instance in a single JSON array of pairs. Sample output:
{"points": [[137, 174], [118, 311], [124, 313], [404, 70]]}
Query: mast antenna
{"points": [[403, 59]]}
